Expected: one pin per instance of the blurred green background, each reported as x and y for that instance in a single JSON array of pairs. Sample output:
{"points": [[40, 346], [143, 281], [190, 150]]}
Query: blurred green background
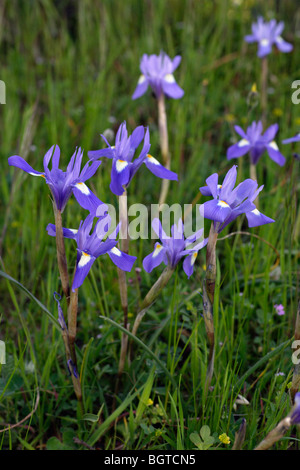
{"points": [[70, 68]]}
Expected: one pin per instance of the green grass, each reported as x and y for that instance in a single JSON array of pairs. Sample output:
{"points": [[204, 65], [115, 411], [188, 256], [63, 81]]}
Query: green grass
{"points": [[70, 69]]}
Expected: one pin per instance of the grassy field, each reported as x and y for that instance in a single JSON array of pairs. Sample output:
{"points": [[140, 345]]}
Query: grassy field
{"points": [[70, 69]]}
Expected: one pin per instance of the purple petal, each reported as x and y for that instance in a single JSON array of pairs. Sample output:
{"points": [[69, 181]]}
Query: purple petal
{"points": [[212, 186], [188, 263], [241, 132], [121, 260], [264, 48], [95, 154], [89, 170], [155, 258], [238, 150], [241, 192], [137, 137], [275, 154], [171, 88], [141, 87], [283, 45], [250, 38], [216, 210], [120, 174], [55, 157], [87, 199], [67, 232], [256, 218], [228, 183], [270, 133], [175, 62], [19, 162], [83, 267], [158, 170], [296, 138]]}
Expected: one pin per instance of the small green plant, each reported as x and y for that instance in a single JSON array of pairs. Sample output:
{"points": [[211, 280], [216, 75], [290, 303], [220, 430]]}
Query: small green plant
{"points": [[203, 440]]}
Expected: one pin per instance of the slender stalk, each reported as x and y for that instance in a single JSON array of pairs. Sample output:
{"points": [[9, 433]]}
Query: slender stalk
{"points": [[61, 254], [70, 354], [253, 176], [72, 324], [124, 245], [211, 267], [240, 436], [276, 434], [264, 88], [152, 295], [164, 145], [296, 375], [208, 300]]}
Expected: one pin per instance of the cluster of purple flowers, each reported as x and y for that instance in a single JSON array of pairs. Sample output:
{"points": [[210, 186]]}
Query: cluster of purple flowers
{"points": [[227, 203]]}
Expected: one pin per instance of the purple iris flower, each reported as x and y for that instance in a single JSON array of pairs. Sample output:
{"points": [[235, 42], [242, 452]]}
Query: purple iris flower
{"points": [[157, 71], [229, 202], [266, 34], [91, 245], [295, 415], [172, 249], [296, 138], [256, 143], [62, 183], [123, 165]]}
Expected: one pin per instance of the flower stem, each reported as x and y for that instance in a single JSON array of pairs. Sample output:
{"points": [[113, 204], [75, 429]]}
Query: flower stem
{"points": [[164, 145], [152, 295], [274, 435], [124, 246], [208, 300], [211, 268], [253, 176], [70, 353], [240, 436], [296, 375], [61, 254], [72, 323], [264, 88]]}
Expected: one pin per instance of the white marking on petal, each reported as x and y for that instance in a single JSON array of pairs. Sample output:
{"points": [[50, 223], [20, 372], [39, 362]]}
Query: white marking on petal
{"points": [[34, 174], [157, 250], [73, 230], [264, 42], [116, 251], [279, 39], [121, 165], [255, 212], [169, 78], [273, 145], [223, 204], [141, 79], [193, 258], [85, 258], [243, 142], [83, 188], [153, 160]]}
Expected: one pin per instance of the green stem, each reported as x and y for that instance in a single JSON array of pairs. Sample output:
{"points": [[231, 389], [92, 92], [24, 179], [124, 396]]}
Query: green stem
{"points": [[124, 246], [61, 254], [208, 300], [152, 296], [264, 88], [164, 145], [296, 375]]}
